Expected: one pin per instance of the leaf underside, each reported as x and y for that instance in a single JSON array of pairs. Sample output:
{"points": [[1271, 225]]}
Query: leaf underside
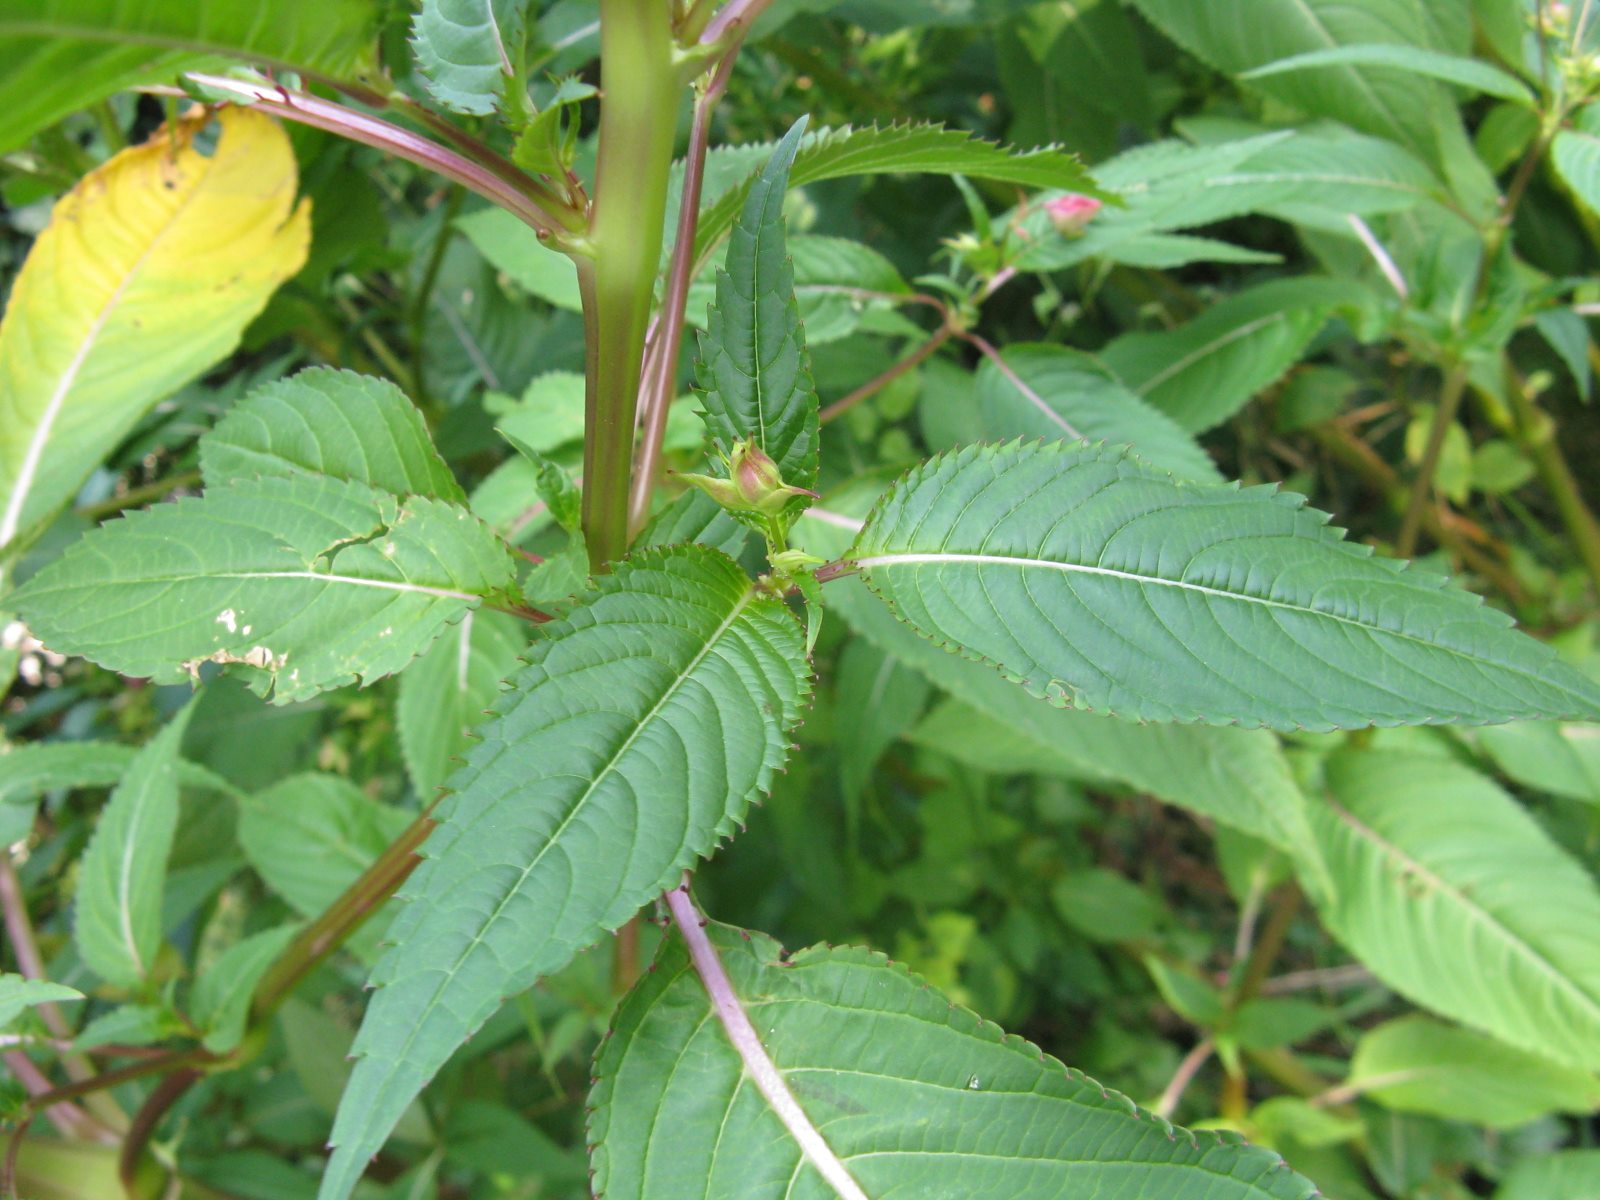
{"points": [[917, 1097], [1454, 896], [1098, 582], [634, 740], [462, 47]]}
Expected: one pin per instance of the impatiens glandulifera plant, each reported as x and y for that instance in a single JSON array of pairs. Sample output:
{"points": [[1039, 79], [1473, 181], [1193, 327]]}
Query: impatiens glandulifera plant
{"points": [[330, 544]]}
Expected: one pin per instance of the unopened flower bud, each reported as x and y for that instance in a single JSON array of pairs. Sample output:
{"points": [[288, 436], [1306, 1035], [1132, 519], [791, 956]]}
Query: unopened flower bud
{"points": [[754, 484], [1071, 214]]}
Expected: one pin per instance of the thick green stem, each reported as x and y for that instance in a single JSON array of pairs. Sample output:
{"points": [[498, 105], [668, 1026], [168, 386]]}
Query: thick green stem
{"points": [[639, 103]]}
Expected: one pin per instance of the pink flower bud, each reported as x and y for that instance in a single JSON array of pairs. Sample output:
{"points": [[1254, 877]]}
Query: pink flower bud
{"points": [[1071, 214]]}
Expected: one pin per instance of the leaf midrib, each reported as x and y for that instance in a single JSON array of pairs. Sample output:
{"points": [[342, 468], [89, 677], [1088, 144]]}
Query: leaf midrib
{"points": [[1476, 912], [577, 807], [915, 559]]}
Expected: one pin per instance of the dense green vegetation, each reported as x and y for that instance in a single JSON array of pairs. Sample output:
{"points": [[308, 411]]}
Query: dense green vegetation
{"points": [[799, 650]]}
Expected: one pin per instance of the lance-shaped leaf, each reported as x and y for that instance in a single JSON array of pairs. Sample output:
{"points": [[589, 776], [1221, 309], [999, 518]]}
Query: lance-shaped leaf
{"points": [[1455, 897], [1052, 392], [1204, 372], [313, 581], [1238, 777], [890, 1088], [117, 926], [448, 691], [146, 275], [333, 423], [220, 1002], [1098, 582], [895, 150], [469, 50], [64, 55], [1417, 1064], [638, 734], [753, 368], [18, 994]]}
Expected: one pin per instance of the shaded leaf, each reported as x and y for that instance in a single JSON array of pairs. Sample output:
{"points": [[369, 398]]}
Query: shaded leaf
{"points": [[1205, 371], [449, 690], [1051, 392], [1464, 72], [17, 994], [220, 1004], [117, 922], [64, 55]]}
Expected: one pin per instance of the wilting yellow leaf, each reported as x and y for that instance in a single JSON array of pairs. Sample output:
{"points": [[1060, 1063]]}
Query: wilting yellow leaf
{"points": [[146, 275]]}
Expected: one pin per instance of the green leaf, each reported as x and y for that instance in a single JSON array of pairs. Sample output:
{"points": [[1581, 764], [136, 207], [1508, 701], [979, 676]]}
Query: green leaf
{"points": [[1098, 582], [1052, 392], [312, 582], [1417, 1064], [514, 249], [753, 368], [696, 517], [895, 150], [636, 737], [1563, 759], [117, 925], [1567, 1175], [878, 698], [1458, 900], [1317, 177], [338, 424], [146, 275], [556, 489], [449, 689], [220, 1004], [1575, 154], [310, 836], [32, 769], [1104, 906], [1208, 369], [1236, 776], [1408, 108], [1468, 73], [65, 55], [130, 1025], [832, 277], [18, 994], [913, 1094], [469, 50]]}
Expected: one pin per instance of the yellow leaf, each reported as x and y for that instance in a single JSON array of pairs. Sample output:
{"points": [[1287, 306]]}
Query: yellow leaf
{"points": [[147, 274]]}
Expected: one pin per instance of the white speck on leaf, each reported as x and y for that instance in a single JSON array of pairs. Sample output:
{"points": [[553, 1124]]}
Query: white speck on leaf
{"points": [[229, 618]]}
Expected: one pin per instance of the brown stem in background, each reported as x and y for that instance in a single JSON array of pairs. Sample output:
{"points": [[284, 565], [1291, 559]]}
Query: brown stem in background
{"points": [[873, 386], [1536, 433], [342, 918], [1455, 386], [1183, 1077], [1351, 452]]}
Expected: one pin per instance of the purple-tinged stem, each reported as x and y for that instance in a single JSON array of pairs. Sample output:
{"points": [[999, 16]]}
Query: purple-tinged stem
{"points": [[733, 18], [1016, 381], [758, 1065], [402, 143], [661, 355], [1184, 1076]]}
